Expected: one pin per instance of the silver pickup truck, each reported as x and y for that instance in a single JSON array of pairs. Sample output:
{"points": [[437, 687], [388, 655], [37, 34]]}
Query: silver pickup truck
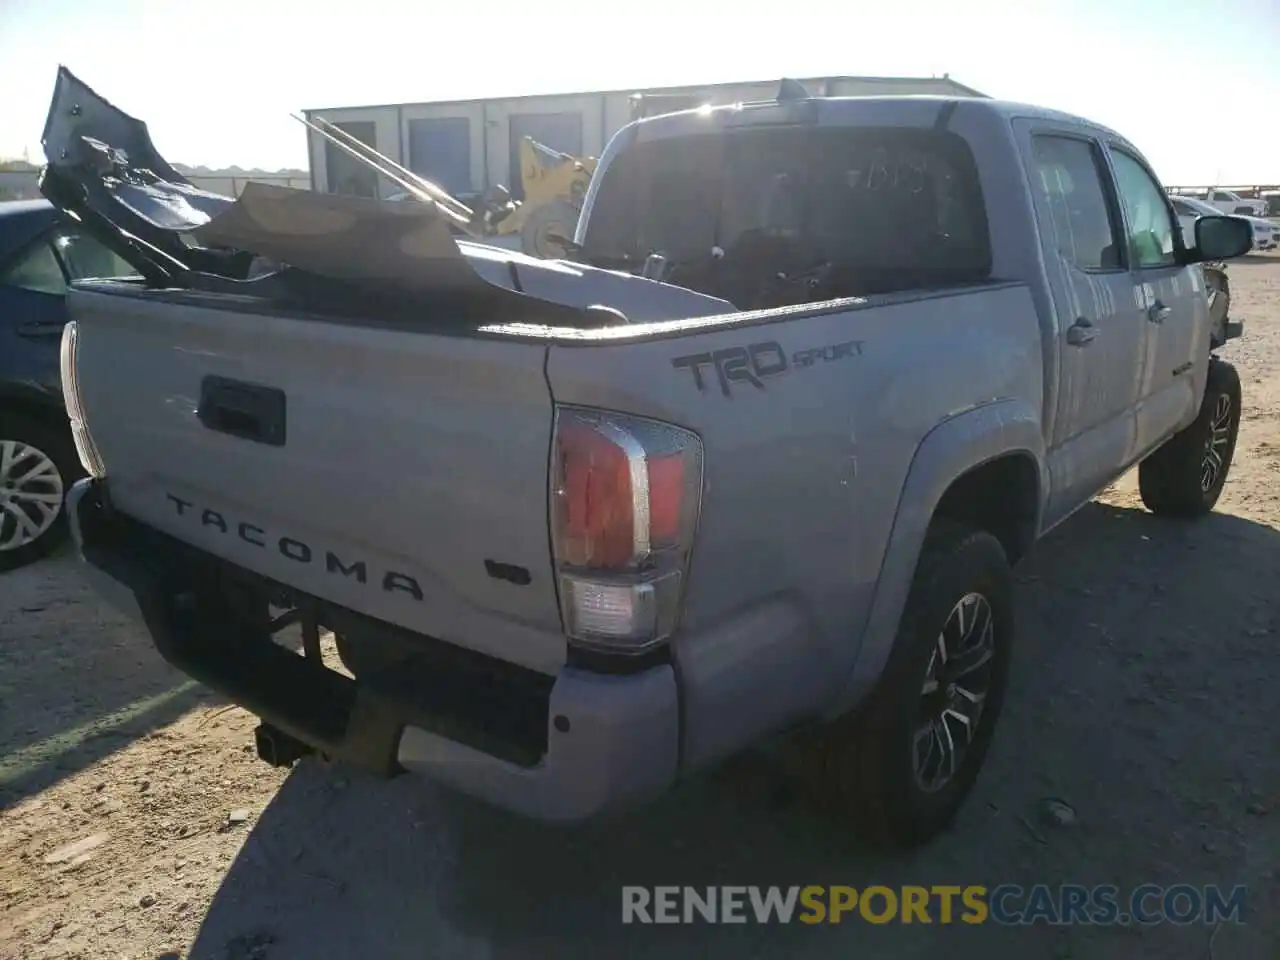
{"points": [[756, 458]]}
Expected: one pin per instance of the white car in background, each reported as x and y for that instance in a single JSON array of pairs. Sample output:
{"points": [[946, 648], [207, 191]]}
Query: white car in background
{"points": [[1228, 201], [1266, 235]]}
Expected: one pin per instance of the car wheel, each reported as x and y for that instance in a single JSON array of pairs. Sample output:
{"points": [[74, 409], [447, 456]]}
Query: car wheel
{"points": [[902, 765], [1184, 477], [38, 464]]}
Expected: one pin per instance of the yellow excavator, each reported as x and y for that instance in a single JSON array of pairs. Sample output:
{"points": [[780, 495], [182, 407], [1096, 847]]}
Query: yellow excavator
{"points": [[554, 186], [554, 183]]}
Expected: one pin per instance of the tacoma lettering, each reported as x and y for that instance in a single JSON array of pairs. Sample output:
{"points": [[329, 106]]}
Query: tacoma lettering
{"points": [[390, 581]]}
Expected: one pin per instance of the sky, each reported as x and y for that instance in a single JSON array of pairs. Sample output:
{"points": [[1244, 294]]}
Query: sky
{"points": [[1195, 85]]}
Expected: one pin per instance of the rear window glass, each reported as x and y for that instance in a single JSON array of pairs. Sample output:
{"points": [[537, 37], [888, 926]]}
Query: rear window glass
{"points": [[888, 208]]}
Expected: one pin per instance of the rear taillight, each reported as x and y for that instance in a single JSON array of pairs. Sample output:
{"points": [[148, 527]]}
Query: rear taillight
{"points": [[88, 453], [625, 498]]}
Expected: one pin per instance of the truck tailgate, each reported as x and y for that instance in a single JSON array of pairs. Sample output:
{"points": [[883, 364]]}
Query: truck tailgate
{"points": [[401, 474]]}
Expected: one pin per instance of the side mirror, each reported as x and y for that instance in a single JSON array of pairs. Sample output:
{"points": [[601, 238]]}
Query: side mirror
{"points": [[1221, 238]]}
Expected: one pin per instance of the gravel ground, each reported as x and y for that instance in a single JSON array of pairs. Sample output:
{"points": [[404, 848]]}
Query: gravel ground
{"points": [[135, 821]]}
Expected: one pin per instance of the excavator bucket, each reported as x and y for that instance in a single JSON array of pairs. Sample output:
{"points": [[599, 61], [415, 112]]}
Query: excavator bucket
{"points": [[548, 174]]}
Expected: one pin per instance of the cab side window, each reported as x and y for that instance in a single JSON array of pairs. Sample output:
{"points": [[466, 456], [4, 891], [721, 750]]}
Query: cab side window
{"points": [[1071, 178], [37, 269], [64, 256], [87, 259], [1150, 224]]}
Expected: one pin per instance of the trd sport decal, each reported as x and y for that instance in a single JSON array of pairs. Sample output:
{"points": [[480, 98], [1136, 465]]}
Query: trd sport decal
{"points": [[756, 362]]}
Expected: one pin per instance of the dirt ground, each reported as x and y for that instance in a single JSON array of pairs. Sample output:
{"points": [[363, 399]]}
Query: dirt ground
{"points": [[136, 822]]}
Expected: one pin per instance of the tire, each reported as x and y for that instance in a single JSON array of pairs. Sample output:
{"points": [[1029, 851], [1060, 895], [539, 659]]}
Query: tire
{"points": [[1184, 477], [870, 769], [38, 464]]}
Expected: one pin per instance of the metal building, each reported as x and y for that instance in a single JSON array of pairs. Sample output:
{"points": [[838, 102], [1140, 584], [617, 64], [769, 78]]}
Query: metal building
{"points": [[469, 145]]}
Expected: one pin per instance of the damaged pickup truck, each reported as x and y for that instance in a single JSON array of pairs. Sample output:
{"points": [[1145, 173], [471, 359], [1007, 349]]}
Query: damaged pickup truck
{"points": [[756, 459]]}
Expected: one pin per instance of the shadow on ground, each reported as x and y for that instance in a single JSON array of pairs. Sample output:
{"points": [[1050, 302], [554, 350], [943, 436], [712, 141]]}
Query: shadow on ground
{"points": [[1144, 678], [66, 703], [1256, 260]]}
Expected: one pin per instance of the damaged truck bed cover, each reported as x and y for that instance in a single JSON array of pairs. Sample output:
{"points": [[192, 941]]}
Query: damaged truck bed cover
{"points": [[314, 252]]}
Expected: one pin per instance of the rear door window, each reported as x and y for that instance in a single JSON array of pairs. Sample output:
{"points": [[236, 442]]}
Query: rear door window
{"points": [[1084, 229]]}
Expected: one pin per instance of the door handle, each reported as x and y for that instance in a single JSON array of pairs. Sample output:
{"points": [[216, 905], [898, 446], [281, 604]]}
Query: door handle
{"points": [[41, 329], [1158, 312], [1081, 333], [249, 411]]}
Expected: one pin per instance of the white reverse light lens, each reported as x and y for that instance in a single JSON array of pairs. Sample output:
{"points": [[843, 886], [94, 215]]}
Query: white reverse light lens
{"points": [[627, 617]]}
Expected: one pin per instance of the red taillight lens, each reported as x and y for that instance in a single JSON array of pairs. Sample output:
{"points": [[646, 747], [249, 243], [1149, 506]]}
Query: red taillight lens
{"points": [[625, 499], [624, 488], [667, 486], [595, 499]]}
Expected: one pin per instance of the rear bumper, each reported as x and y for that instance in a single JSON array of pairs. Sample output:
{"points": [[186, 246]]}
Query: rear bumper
{"points": [[611, 742]]}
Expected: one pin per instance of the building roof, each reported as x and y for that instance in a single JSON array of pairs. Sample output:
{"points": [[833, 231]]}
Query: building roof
{"points": [[945, 79]]}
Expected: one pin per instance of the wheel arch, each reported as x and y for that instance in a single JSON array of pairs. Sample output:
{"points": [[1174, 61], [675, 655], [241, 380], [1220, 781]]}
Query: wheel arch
{"points": [[986, 467], [1000, 495]]}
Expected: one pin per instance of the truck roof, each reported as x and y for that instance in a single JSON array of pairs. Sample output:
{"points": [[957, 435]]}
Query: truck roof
{"points": [[898, 110]]}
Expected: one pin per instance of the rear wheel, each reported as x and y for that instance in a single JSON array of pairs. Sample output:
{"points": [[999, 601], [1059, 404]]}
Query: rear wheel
{"points": [[1185, 476], [37, 465], [903, 764]]}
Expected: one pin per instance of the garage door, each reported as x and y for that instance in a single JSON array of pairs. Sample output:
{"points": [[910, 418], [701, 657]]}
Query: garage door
{"points": [[440, 150], [559, 131], [345, 173]]}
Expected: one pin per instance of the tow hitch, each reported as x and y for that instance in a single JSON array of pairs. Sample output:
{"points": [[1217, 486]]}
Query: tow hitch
{"points": [[278, 748]]}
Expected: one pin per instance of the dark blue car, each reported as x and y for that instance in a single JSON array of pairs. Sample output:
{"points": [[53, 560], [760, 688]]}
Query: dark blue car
{"points": [[41, 252]]}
